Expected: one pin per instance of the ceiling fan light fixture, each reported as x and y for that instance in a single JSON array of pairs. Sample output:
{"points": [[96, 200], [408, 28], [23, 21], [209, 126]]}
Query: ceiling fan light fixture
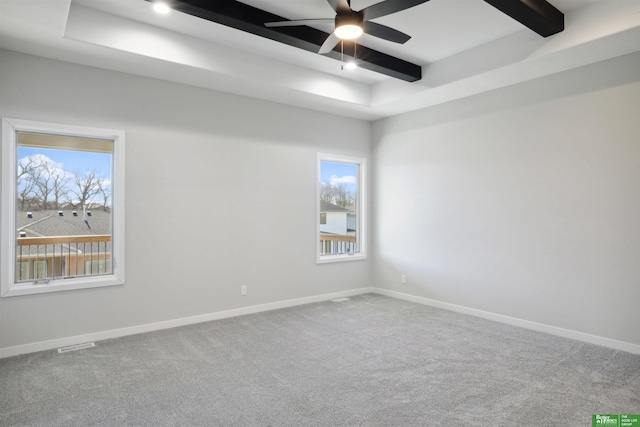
{"points": [[349, 31], [349, 26], [351, 65]]}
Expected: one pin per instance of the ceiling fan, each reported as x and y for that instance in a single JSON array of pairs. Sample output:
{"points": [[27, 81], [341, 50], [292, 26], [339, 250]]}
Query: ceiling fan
{"points": [[350, 24]]}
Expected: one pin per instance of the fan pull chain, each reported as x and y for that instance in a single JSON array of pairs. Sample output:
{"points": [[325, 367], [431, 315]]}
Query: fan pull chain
{"points": [[353, 64]]}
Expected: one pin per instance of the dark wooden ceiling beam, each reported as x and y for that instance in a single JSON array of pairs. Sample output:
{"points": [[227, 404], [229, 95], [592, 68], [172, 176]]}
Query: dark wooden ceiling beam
{"points": [[250, 19], [538, 15]]}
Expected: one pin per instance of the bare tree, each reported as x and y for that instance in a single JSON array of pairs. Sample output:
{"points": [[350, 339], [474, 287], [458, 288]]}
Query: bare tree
{"points": [[59, 188], [43, 184], [336, 194], [50, 185], [28, 176], [104, 191], [343, 197], [326, 192], [85, 187]]}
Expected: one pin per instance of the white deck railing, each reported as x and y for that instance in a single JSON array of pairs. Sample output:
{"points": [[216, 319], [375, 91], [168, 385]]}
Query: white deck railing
{"points": [[331, 244]]}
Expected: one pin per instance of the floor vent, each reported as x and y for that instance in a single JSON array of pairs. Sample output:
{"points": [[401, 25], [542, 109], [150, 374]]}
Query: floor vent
{"points": [[340, 299], [76, 347]]}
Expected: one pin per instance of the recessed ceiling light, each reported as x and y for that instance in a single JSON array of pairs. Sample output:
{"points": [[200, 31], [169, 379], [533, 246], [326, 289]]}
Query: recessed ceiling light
{"points": [[161, 8]]}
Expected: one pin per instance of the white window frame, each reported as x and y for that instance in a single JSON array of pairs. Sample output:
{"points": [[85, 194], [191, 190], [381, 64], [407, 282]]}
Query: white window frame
{"points": [[8, 286], [361, 206]]}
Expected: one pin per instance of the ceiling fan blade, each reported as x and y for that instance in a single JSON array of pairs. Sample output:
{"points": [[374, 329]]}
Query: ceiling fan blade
{"points": [[329, 43], [339, 5], [297, 22], [388, 7], [384, 32]]}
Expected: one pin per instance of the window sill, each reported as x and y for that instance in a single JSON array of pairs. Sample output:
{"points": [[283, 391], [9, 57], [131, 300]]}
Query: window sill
{"points": [[59, 285], [326, 259]]}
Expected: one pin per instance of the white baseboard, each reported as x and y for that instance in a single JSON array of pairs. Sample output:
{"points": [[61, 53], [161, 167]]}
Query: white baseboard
{"points": [[540, 327], [115, 333]]}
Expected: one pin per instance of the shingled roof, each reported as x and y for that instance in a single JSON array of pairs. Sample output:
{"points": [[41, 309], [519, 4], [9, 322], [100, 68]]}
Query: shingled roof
{"points": [[49, 223], [330, 207]]}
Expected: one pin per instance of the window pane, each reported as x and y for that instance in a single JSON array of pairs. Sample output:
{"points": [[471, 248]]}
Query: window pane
{"points": [[97, 266], [22, 270], [40, 269], [339, 210], [63, 211]]}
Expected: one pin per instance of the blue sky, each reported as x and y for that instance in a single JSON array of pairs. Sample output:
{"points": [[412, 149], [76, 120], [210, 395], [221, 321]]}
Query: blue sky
{"points": [[73, 161], [334, 173]]}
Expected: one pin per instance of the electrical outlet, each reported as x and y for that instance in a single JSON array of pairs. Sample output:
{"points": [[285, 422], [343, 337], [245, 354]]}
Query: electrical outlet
{"points": [[243, 290], [403, 279]]}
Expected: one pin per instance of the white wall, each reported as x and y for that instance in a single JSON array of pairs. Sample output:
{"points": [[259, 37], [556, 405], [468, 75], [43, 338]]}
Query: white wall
{"points": [[523, 202], [336, 223], [208, 177]]}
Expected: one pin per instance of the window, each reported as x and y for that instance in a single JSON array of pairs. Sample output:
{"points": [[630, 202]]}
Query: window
{"points": [[62, 217], [341, 209], [97, 266]]}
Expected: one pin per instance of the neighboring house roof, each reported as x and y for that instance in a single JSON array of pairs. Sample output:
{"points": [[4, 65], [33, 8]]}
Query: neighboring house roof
{"points": [[50, 223], [330, 207]]}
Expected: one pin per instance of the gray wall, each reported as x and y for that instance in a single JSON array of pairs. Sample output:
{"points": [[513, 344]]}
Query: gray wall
{"points": [[523, 202], [220, 192]]}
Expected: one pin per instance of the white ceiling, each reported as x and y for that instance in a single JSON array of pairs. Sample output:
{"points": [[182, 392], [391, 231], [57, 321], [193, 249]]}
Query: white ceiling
{"points": [[464, 46]]}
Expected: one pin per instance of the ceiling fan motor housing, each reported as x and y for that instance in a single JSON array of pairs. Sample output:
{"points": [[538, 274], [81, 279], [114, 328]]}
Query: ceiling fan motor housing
{"points": [[350, 18]]}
